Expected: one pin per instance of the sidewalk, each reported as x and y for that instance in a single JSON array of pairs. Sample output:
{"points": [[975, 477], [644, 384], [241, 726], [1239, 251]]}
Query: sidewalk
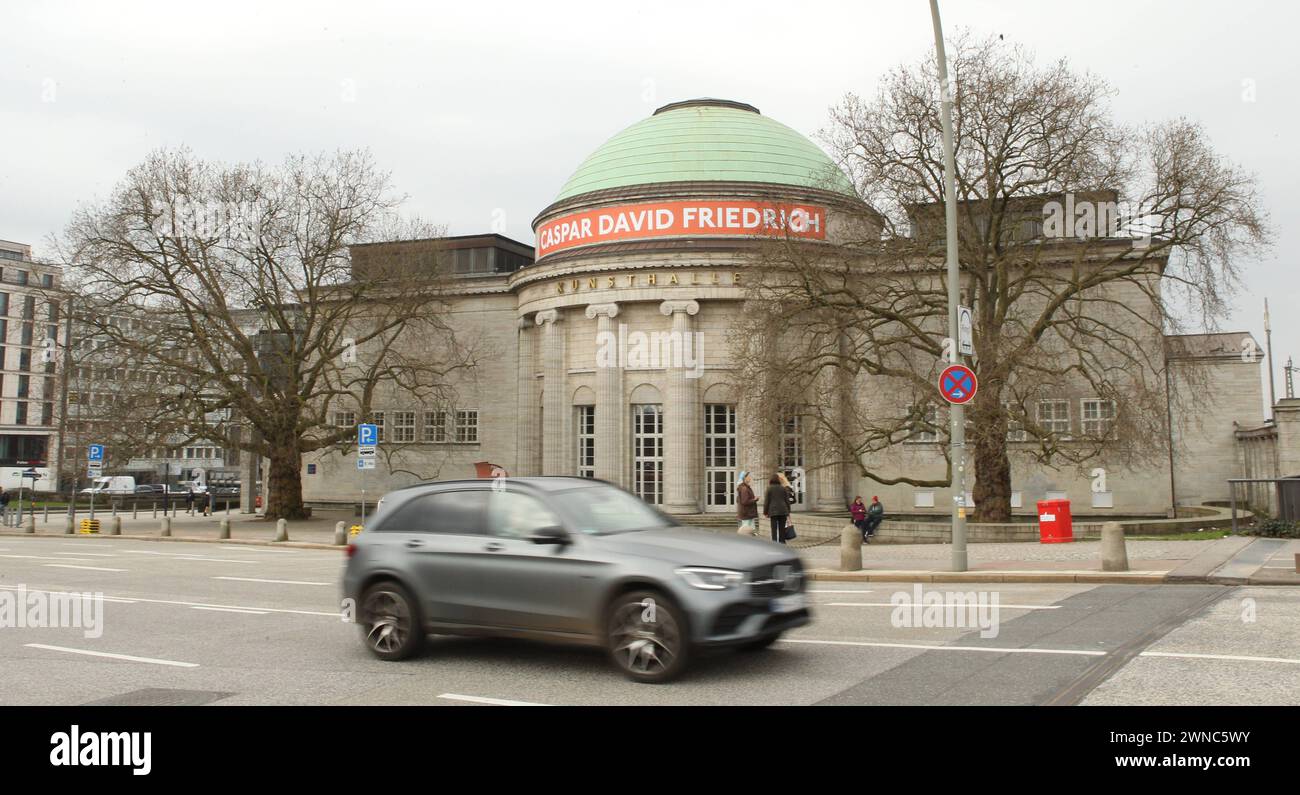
{"points": [[1235, 560], [244, 528]]}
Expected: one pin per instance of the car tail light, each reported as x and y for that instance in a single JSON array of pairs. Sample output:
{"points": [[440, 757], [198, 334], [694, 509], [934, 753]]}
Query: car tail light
{"points": [[352, 550]]}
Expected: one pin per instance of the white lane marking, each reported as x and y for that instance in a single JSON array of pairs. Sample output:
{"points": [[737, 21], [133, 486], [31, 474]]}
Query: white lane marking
{"points": [[834, 590], [1229, 657], [43, 557], [333, 615], [232, 610], [945, 604], [86, 554], [498, 701], [933, 647], [276, 582], [74, 566], [191, 557], [1290, 566], [127, 657]]}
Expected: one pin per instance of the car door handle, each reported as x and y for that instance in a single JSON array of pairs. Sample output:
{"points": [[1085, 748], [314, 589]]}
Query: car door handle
{"points": [[494, 546], [413, 543]]}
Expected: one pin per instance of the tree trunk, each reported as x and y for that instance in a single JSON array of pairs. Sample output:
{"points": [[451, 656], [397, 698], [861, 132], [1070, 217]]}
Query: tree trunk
{"points": [[992, 465], [285, 480]]}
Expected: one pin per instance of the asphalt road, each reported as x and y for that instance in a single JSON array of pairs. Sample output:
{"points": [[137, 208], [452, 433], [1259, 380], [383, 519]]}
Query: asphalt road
{"points": [[229, 624]]}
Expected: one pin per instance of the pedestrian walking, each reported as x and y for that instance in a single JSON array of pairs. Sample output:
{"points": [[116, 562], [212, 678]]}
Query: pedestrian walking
{"points": [[776, 507], [189, 500], [746, 506]]}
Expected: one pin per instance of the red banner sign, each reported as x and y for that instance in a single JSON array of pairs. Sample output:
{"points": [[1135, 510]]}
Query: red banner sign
{"points": [[680, 219]]}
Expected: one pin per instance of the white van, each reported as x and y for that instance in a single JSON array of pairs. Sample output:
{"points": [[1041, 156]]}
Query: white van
{"points": [[114, 485]]}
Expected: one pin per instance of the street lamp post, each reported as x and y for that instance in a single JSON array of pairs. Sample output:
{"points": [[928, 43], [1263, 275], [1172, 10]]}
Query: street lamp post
{"points": [[957, 413]]}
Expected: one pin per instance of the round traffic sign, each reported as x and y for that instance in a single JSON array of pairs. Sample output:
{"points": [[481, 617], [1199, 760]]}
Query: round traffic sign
{"points": [[957, 383]]}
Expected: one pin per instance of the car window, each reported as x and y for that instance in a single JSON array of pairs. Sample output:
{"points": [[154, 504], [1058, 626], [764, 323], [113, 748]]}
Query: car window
{"points": [[516, 515], [600, 509], [456, 512]]}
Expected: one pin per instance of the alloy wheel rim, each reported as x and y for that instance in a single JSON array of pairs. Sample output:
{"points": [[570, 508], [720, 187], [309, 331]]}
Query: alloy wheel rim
{"points": [[388, 621], [644, 646]]}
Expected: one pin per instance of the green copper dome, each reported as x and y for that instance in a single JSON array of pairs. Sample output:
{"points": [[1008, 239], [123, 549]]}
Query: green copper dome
{"points": [[706, 140]]}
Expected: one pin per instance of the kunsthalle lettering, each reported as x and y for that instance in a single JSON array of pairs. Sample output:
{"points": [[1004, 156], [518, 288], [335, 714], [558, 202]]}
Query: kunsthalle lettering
{"points": [[77, 748]]}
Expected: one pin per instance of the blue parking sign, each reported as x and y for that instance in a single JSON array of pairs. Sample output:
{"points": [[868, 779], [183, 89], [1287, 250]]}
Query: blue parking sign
{"points": [[95, 452], [367, 434]]}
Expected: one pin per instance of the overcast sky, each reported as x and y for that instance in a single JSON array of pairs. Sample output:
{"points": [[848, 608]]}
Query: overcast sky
{"points": [[481, 110]]}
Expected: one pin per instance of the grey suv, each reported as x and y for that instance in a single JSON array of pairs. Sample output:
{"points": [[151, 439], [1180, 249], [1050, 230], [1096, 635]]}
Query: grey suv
{"points": [[568, 560]]}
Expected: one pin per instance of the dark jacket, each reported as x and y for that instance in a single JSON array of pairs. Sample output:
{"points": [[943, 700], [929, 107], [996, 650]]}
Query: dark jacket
{"points": [[746, 502], [776, 502]]}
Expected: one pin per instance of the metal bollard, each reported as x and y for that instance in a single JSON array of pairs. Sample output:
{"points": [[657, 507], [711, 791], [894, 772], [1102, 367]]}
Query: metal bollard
{"points": [[340, 534], [1114, 555], [46, 519], [850, 548], [155, 509], [165, 527], [281, 530], [224, 531], [115, 526], [135, 510]]}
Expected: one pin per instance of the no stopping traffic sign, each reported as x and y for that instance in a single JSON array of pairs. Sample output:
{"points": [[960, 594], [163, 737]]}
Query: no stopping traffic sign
{"points": [[957, 383]]}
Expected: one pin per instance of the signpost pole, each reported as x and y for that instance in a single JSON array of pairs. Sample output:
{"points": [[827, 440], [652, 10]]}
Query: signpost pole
{"points": [[957, 412]]}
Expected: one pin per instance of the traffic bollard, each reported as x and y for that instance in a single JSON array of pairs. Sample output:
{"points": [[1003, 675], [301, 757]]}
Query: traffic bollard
{"points": [[281, 530], [68, 528], [340, 534], [115, 526], [850, 548], [224, 532], [1114, 555], [165, 527], [29, 523]]}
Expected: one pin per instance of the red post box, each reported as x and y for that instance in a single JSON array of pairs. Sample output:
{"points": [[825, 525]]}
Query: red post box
{"points": [[1054, 523]]}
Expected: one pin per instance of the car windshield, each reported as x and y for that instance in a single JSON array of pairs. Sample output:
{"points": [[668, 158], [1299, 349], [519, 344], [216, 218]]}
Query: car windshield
{"points": [[600, 510]]}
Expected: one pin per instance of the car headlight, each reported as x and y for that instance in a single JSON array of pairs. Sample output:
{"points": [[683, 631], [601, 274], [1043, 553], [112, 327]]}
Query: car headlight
{"points": [[711, 579]]}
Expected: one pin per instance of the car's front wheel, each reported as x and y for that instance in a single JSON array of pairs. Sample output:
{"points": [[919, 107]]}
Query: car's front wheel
{"points": [[390, 622], [647, 637]]}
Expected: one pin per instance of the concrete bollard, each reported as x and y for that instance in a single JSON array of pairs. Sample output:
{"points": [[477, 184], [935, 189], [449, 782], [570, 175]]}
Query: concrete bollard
{"points": [[850, 548], [165, 526], [340, 534], [1114, 555], [69, 527], [29, 523], [46, 518], [281, 530], [115, 526], [224, 531]]}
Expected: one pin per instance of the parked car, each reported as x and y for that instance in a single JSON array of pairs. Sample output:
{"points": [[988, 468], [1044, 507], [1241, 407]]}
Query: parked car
{"points": [[149, 489], [568, 560]]}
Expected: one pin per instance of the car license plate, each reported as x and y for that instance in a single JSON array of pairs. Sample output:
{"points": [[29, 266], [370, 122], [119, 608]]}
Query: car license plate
{"points": [[788, 604]]}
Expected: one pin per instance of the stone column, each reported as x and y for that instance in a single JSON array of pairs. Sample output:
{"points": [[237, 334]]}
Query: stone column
{"points": [[555, 402], [828, 481], [526, 459], [610, 409], [682, 432]]}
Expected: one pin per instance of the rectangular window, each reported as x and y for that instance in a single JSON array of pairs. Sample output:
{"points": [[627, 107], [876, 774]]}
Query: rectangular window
{"points": [[648, 452], [377, 417], [1098, 417], [792, 450], [924, 421], [719, 455], [1015, 428], [4, 303], [403, 426], [467, 427], [435, 427], [20, 415], [345, 419], [1054, 416], [24, 385], [29, 307], [585, 421]]}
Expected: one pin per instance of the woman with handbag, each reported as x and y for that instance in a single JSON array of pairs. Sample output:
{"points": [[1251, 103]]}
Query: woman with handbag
{"points": [[776, 507]]}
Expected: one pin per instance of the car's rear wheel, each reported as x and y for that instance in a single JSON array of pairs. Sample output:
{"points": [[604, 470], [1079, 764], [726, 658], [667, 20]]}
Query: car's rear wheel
{"points": [[390, 622], [647, 637], [761, 643]]}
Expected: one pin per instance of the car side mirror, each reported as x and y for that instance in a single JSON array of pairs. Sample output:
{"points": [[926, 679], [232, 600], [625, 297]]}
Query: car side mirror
{"points": [[550, 535]]}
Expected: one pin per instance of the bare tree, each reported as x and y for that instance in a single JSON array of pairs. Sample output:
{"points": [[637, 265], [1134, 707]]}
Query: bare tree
{"points": [[260, 325], [1082, 242]]}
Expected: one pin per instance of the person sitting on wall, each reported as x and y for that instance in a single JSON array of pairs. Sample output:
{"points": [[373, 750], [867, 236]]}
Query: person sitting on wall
{"points": [[875, 515], [858, 510]]}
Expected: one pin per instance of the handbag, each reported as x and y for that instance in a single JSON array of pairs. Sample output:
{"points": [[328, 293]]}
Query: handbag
{"points": [[788, 534]]}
